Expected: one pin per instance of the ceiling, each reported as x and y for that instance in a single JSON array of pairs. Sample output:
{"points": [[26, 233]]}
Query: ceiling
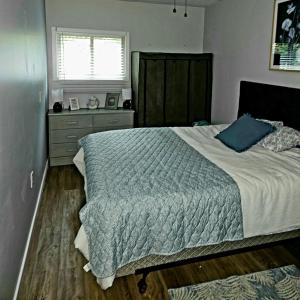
{"points": [[199, 3]]}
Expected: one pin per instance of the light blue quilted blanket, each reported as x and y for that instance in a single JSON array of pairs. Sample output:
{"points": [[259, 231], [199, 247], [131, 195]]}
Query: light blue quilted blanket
{"points": [[149, 192]]}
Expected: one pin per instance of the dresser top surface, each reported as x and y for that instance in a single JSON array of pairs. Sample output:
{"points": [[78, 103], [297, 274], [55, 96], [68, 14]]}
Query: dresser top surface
{"points": [[85, 111]]}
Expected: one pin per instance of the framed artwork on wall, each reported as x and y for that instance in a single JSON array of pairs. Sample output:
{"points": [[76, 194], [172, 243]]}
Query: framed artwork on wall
{"points": [[285, 48]]}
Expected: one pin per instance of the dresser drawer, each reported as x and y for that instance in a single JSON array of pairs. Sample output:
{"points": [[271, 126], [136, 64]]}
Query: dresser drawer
{"points": [[69, 135], [69, 122], [112, 128], [61, 161], [67, 149], [113, 120]]}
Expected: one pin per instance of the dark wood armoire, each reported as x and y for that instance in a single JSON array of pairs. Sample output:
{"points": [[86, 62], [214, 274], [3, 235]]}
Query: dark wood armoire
{"points": [[171, 89]]}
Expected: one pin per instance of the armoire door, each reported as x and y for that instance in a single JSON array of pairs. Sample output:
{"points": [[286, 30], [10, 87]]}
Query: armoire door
{"points": [[154, 93], [177, 90], [199, 90]]}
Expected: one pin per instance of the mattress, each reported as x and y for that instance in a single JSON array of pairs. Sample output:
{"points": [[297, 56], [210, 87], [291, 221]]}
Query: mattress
{"points": [[274, 201]]}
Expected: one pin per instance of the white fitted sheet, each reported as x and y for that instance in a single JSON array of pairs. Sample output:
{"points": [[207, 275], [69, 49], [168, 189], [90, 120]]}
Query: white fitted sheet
{"points": [[269, 184]]}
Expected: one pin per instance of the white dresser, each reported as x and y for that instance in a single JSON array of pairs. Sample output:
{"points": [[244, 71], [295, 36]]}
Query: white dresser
{"points": [[67, 127]]}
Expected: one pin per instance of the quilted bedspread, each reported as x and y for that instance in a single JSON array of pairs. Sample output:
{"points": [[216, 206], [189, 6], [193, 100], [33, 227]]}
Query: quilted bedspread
{"points": [[149, 192]]}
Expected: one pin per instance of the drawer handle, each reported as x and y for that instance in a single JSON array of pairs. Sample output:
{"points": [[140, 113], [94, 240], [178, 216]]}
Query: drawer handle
{"points": [[71, 136], [72, 122], [70, 150], [114, 122]]}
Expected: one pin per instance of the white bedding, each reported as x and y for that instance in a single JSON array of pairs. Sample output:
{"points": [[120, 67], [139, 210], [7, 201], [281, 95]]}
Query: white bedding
{"points": [[268, 206], [269, 182]]}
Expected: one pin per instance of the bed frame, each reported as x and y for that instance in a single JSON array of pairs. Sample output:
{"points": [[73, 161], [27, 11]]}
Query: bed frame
{"points": [[261, 101], [153, 263]]}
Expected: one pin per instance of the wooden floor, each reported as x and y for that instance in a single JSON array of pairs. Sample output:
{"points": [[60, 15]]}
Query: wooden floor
{"points": [[53, 267]]}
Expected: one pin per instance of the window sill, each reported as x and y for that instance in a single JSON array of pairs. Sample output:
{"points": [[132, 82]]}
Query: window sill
{"points": [[90, 85]]}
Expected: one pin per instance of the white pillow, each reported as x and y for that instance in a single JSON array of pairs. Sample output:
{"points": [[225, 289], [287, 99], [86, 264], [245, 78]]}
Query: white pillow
{"points": [[276, 124], [284, 138]]}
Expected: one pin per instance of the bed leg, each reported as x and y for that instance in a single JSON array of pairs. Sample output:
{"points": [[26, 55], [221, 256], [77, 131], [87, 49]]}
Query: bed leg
{"points": [[142, 284]]}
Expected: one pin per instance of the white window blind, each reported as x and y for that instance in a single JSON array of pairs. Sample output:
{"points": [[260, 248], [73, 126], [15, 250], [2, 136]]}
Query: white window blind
{"points": [[91, 55]]}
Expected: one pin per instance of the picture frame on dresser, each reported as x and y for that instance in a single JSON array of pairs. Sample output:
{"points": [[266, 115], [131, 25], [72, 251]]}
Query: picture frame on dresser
{"points": [[112, 100], [74, 103]]}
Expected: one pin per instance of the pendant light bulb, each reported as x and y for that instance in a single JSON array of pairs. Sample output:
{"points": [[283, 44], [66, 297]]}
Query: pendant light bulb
{"points": [[174, 9], [185, 9]]}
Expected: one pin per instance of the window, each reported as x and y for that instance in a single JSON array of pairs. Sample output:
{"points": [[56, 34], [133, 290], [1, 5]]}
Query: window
{"points": [[90, 55]]}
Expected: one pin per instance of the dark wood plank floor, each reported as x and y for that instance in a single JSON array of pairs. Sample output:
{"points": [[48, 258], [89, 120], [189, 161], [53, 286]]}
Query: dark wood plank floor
{"points": [[53, 267]]}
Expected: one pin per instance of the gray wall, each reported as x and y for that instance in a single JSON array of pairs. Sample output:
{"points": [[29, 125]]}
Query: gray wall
{"points": [[238, 32], [152, 27], [23, 92]]}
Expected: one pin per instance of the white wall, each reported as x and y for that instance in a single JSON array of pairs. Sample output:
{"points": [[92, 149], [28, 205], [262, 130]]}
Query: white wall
{"points": [[238, 32], [152, 27]]}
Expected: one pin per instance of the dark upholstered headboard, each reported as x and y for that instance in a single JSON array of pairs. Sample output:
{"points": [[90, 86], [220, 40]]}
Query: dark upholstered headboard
{"points": [[270, 102]]}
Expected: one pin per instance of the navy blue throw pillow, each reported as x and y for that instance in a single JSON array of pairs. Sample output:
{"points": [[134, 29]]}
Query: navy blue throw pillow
{"points": [[244, 133]]}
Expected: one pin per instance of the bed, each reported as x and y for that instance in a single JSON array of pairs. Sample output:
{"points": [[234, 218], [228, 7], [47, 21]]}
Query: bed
{"points": [[121, 237]]}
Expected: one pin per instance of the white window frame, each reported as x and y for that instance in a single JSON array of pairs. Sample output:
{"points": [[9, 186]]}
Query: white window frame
{"points": [[62, 82]]}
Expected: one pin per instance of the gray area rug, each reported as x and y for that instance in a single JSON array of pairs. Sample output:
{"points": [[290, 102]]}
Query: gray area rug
{"points": [[280, 283]]}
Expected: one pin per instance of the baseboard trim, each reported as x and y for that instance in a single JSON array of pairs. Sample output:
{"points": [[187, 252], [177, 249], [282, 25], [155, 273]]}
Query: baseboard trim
{"points": [[31, 229]]}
